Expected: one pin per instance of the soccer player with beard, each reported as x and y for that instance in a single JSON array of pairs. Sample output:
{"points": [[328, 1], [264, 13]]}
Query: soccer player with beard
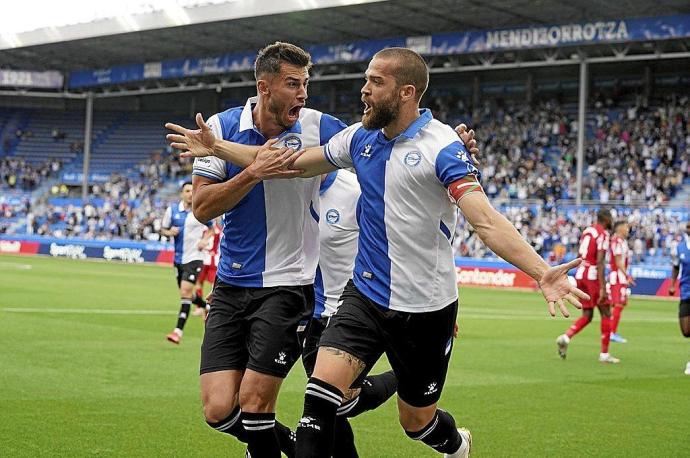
{"points": [[681, 267], [402, 299], [590, 277], [269, 248]]}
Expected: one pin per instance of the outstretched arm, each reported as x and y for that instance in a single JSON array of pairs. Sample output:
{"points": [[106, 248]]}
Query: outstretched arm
{"points": [[201, 143], [504, 240]]}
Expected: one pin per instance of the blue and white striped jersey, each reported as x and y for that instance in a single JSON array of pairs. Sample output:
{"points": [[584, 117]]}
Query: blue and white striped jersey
{"points": [[681, 259], [191, 232], [338, 232], [405, 258], [270, 237]]}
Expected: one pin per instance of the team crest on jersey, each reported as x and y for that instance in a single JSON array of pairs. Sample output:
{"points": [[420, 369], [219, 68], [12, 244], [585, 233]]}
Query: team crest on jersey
{"points": [[367, 151], [293, 141], [332, 216], [413, 158]]}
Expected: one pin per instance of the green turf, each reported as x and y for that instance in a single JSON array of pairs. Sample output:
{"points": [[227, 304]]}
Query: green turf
{"points": [[108, 384]]}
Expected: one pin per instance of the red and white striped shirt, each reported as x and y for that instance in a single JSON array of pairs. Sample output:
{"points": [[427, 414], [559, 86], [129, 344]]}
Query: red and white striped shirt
{"points": [[594, 240]]}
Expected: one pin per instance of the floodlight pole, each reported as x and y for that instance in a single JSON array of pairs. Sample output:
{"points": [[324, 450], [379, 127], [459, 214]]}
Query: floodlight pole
{"points": [[581, 115], [87, 147]]}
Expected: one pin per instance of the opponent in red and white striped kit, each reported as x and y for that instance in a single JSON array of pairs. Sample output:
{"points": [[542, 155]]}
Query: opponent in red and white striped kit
{"points": [[590, 278], [211, 255], [619, 278]]}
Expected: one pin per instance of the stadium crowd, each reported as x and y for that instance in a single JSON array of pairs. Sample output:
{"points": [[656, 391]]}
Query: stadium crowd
{"points": [[635, 154], [16, 173]]}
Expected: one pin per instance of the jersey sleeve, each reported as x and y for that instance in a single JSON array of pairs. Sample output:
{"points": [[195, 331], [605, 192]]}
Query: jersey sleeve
{"points": [[167, 218], [457, 173], [211, 166], [337, 150], [328, 127], [617, 247]]}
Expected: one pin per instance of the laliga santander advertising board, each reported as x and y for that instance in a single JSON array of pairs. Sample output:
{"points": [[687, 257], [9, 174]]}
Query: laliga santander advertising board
{"points": [[475, 272]]}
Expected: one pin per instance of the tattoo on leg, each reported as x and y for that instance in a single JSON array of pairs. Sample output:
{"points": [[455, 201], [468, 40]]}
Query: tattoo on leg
{"points": [[356, 363]]}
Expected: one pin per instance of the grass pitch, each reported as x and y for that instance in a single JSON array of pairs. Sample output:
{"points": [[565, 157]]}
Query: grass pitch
{"points": [[85, 370]]}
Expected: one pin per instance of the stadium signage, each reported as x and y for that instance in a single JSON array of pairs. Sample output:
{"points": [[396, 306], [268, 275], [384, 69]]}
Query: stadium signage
{"points": [[557, 35], [596, 32], [45, 80], [9, 246], [68, 251], [124, 254]]}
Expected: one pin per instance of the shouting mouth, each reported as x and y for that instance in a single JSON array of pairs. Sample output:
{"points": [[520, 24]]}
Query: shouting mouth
{"points": [[293, 113]]}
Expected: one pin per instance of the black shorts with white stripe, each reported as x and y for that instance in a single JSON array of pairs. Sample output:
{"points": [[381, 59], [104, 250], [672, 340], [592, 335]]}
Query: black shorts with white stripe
{"points": [[418, 345]]}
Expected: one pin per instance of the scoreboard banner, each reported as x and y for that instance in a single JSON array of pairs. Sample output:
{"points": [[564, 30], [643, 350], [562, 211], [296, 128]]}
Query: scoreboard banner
{"points": [[44, 80], [527, 37]]}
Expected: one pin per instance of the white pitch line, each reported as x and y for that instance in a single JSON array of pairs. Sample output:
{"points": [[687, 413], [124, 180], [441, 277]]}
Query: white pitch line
{"points": [[88, 311], [12, 265]]}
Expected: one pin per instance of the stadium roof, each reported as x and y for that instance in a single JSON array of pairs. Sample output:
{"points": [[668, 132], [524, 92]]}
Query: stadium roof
{"points": [[306, 22]]}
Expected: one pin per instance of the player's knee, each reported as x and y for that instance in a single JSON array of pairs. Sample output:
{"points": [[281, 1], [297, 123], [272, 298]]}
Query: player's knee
{"points": [[216, 409], [257, 401], [415, 420]]}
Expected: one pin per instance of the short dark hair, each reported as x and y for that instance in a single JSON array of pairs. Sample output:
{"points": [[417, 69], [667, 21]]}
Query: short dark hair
{"points": [[411, 68], [604, 214], [269, 58], [185, 184], [620, 222]]}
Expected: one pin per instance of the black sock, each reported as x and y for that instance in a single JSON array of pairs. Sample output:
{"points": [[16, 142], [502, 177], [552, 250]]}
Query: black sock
{"points": [[231, 425], [344, 439], [262, 441], [185, 306], [440, 434], [376, 389], [286, 439], [315, 431], [199, 301]]}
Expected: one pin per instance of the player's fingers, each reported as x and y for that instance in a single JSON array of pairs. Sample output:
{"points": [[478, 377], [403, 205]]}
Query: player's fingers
{"points": [[564, 308], [461, 128], [176, 128], [552, 309], [186, 154], [471, 144], [573, 300], [182, 146], [176, 138], [571, 265], [201, 123], [579, 293], [471, 133], [271, 142]]}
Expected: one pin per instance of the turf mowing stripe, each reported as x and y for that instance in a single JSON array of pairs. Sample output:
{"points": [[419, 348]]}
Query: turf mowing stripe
{"points": [[88, 311]]}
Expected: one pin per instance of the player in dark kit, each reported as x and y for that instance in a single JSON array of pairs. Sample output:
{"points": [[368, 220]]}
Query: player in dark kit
{"points": [[681, 267]]}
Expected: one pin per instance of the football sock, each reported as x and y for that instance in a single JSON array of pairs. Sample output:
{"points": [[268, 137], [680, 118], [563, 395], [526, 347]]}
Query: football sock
{"points": [[315, 431], [605, 333], [185, 306], [231, 425], [616, 318], [376, 389], [577, 326], [344, 440], [440, 434], [199, 301], [262, 441]]}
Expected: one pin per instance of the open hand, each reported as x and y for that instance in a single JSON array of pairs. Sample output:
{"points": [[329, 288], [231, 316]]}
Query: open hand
{"points": [[193, 143], [557, 289], [274, 162]]}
